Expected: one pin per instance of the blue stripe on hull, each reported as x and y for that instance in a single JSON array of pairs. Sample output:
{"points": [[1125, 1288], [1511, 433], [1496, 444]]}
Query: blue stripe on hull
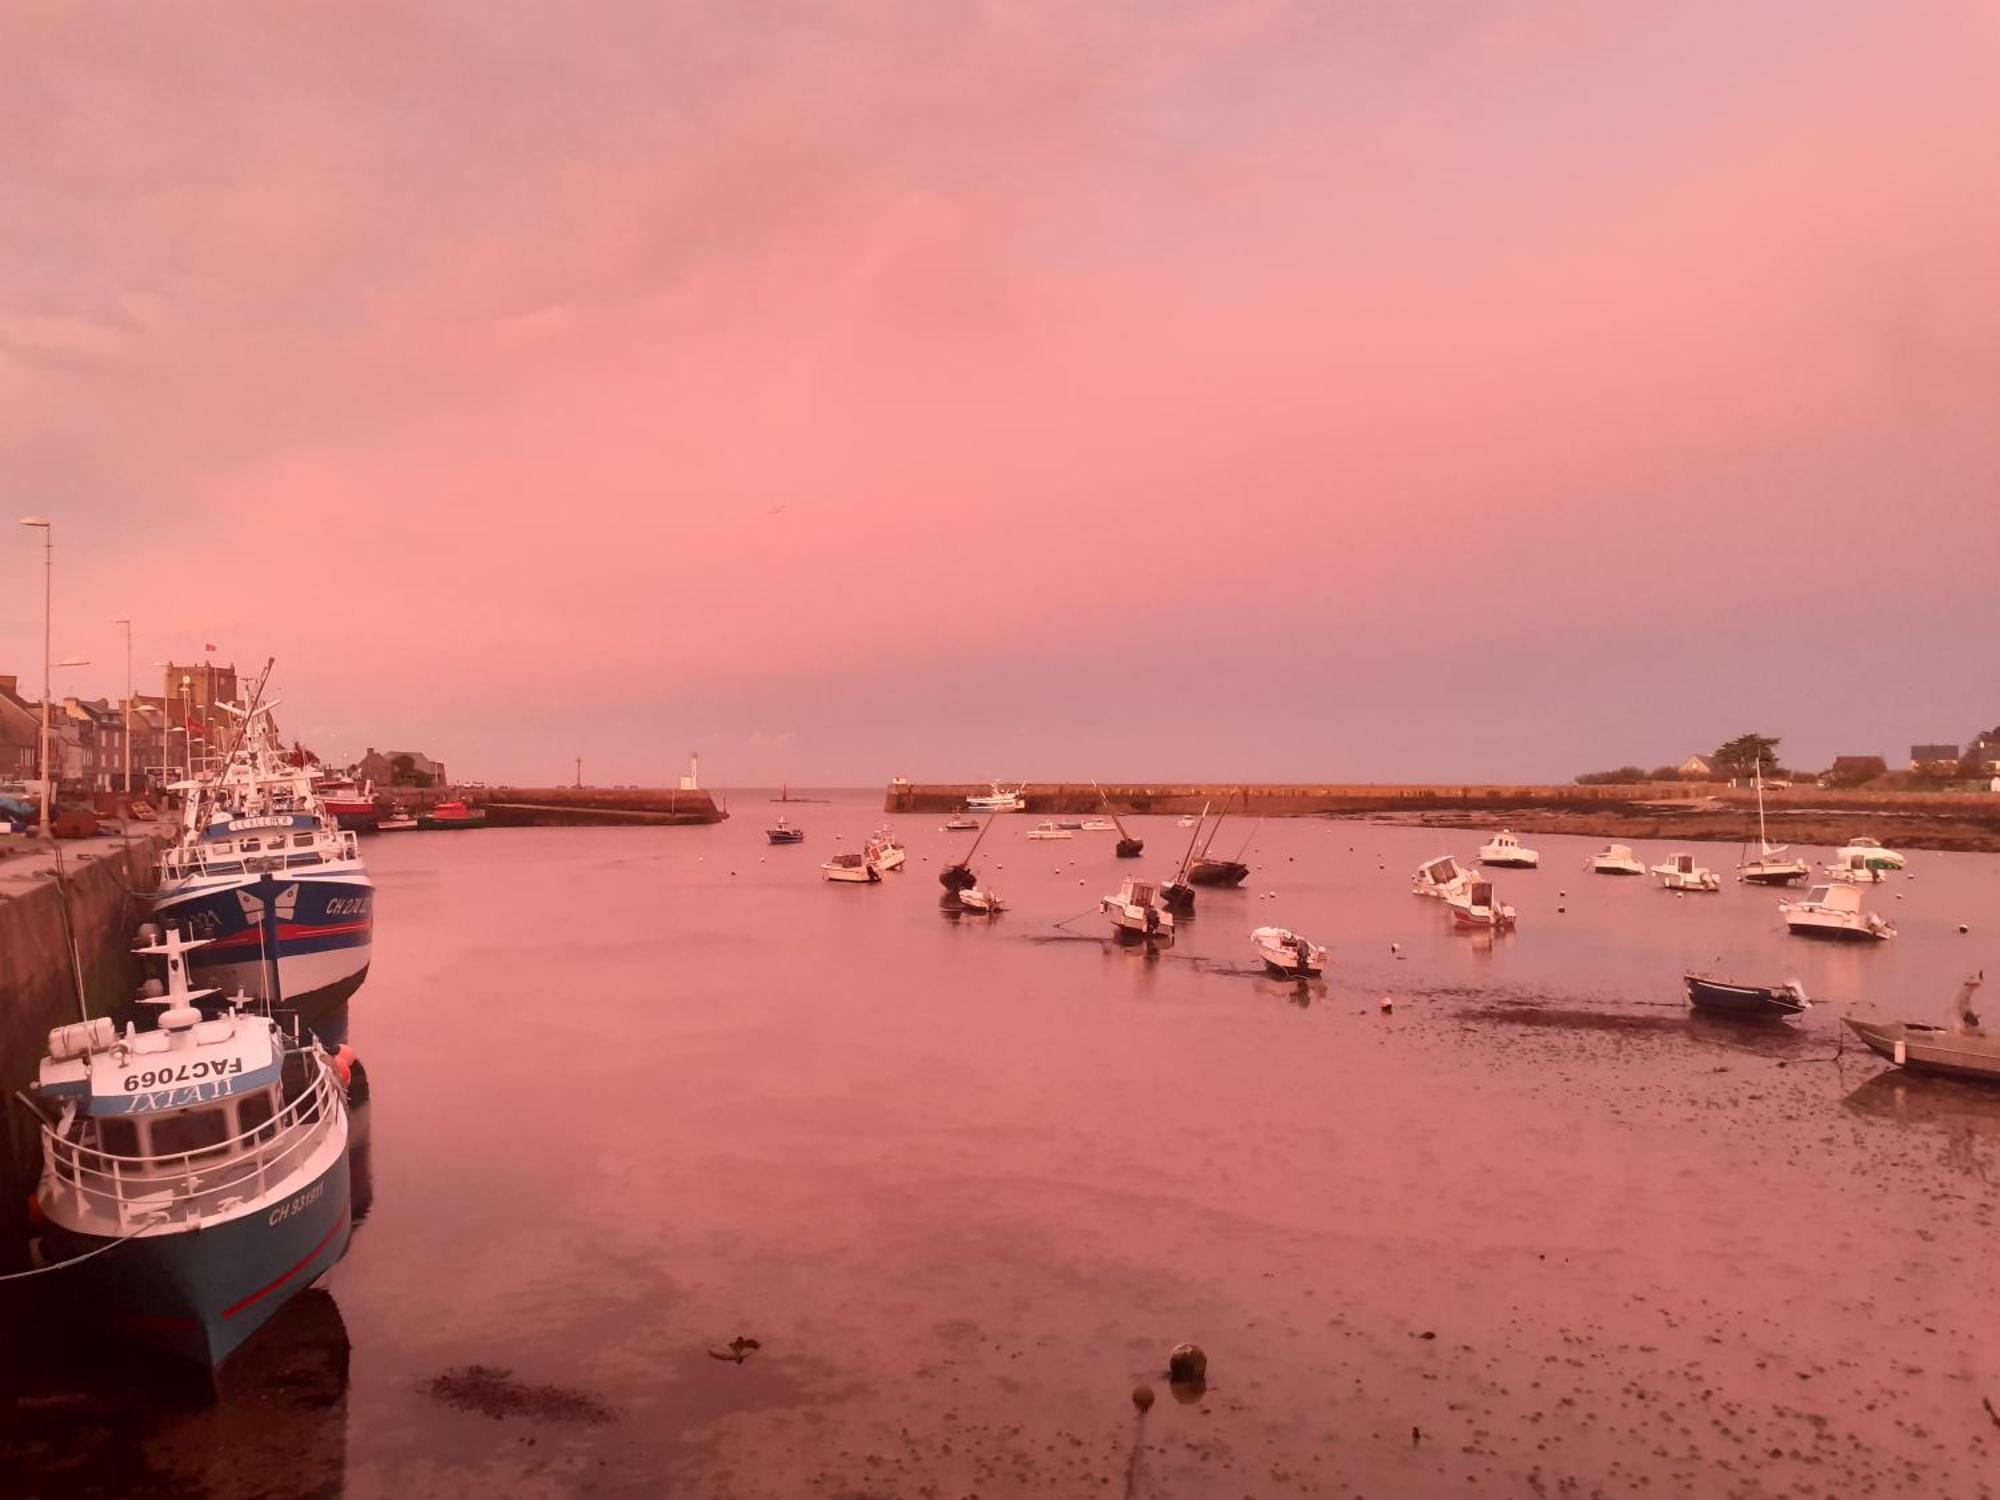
{"points": [[200, 1294]]}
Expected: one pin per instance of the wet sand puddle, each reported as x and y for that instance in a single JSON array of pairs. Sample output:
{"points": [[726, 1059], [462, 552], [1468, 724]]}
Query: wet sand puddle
{"points": [[1532, 1230]]}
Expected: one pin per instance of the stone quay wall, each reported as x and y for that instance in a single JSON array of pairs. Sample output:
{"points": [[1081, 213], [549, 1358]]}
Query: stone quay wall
{"points": [[106, 901]]}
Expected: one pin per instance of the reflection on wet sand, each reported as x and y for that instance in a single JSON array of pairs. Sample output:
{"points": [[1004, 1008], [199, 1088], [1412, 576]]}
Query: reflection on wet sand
{"points": [[89, 1421]]}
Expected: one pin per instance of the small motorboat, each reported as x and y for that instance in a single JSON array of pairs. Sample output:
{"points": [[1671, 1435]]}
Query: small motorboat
{"points": [[1443, 878], [961, 824], [1477, 906], [783, 832], [1098, 825], [1834, 911], [1616, 859], [1746, 1001], [396, 822], [852, 869], [1136, 913], [1506, 850], [1288, 955], [211, 1154], [1857, 870], [1681, 873], [1964, 1049], [883, 851], [1187, 820], [1050, 831], [453, 814], [980, 901], [1872, 852]]}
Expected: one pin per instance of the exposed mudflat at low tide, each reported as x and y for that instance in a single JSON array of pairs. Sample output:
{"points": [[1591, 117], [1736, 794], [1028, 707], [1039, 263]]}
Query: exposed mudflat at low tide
{"points": [[638, 1093]]}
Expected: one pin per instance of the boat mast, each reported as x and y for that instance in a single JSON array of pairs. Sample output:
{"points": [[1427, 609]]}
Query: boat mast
{"points": [[1116, 821], [1188, 858]]}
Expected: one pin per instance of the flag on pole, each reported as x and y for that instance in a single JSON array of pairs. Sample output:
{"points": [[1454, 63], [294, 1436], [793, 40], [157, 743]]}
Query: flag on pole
{"points": [[208, 648]]}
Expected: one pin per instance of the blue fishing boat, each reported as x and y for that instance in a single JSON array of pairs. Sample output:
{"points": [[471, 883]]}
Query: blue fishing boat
{"points": [[271, 883], [195, 1175]]}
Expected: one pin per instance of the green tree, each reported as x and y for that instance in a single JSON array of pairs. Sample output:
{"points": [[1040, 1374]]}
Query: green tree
{"points": [[1747, 754]]}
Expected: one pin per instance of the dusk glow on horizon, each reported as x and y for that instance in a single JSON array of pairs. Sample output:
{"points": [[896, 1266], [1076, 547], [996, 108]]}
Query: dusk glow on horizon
{"points": [[1280, 391]]}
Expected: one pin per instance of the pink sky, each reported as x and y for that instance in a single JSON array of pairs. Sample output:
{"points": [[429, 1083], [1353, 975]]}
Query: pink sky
{"points": [[1265, 390]]}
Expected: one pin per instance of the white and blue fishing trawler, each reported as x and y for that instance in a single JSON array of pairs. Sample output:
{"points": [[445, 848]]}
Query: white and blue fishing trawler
{"points": [[270, 883], [195, 1176]]}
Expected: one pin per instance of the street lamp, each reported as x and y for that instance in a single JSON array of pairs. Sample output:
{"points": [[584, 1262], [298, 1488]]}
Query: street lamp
{"points": [[128, 704], [48, 531]]}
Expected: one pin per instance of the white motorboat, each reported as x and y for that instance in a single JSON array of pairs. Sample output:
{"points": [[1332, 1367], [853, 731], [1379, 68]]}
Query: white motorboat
{"points": [[1872, 852], [1506, 850], [210, 1155], [883, 850], [1136, 913], [854, 869], [1187, 820], [1289, 955], [961, 824], [1770, 867], [1050, 831], [1616, 859], [1443, 878], [1857, 870], [1477, 906], [999, 799], [1099, 825], [1681, 873], [980, 902], [1834, 911], [397, 822]]}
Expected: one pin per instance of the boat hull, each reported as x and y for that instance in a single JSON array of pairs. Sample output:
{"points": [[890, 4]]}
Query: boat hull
{"points": [[432, 824], [1741, 1001], [201, 1293], [1217, 872], [1932, 1049], [1614, 870], [1805, 925], [316, 931], [788, 836], [1779, 876], [1511, 861]]}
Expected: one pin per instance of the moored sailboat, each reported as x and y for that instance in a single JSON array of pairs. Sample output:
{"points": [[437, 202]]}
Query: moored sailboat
{"points": [[1770, 867]]}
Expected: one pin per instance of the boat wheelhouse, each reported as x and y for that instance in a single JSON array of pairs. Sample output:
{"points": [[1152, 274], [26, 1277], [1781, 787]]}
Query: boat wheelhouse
{"points": [[884, 852], [1616, 859], [1506, 850], [850, 869], [1856, 869], [1834, 911], [213, 1153], [1679, 872], [1476, 905], [1870, 851], [1441, 878]]}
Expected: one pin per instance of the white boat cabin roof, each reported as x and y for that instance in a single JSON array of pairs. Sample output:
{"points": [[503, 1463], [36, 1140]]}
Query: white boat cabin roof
{"points": [[145, 1072]]}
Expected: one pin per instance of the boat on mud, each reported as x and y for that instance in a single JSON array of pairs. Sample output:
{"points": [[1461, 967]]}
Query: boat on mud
{"points": [[1136, 913], [1963, 1049], [1287, 954], [1746, 1002]]}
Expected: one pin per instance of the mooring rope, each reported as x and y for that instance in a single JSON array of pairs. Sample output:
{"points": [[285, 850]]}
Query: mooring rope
{"points": [[64, 1265]]}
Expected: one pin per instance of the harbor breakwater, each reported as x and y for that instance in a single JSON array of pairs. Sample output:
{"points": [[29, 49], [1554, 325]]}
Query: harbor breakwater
{"points": [[39, 931], [560, 806], [1659, 809]]}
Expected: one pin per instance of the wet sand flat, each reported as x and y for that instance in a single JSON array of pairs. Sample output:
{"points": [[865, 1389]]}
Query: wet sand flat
{"points": [[1532, 1231]]}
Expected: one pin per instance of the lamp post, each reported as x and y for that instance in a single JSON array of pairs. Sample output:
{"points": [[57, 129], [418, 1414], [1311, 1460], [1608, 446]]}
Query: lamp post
{"points": [[128, 703], [48, 531]]}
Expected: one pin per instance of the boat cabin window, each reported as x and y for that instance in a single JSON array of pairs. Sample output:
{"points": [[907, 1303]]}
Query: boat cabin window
{"points": [[1817, 894], [302, 841], [253, 1110], [190, 1133], [1482, 894], [118, 1135], [251, 846]]}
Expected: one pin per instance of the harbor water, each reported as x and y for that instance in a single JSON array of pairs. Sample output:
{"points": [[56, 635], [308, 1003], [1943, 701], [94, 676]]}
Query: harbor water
{"points": [[1473, 1215]]}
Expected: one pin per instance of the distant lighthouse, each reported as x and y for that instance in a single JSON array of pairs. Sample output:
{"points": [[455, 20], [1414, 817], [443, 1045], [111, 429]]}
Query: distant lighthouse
{"points": [[692, 781]]}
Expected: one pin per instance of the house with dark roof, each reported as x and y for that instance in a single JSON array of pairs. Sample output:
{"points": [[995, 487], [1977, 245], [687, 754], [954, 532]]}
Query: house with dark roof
{"points": [[20, 734], [1941, 759]]}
